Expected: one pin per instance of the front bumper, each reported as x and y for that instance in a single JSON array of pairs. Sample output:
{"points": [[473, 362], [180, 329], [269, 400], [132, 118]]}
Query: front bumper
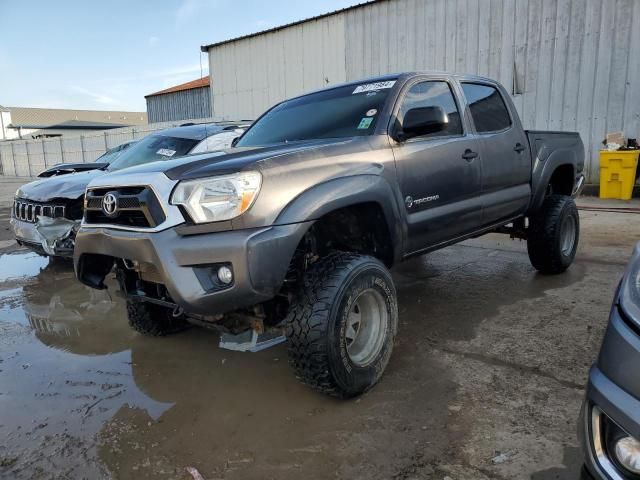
{"points": [[259, 259], [612, 393], [54, 244]]}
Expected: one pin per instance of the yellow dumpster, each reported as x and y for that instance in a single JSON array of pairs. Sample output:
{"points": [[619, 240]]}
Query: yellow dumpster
{"points": [[618, 173]]}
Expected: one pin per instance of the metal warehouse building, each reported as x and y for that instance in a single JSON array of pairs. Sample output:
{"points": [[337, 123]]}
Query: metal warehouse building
{"points": [[570, 64], [185, 101]]}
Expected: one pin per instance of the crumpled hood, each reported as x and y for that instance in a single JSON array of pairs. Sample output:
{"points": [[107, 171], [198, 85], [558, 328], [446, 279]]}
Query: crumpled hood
{"points": [[69, 186]]}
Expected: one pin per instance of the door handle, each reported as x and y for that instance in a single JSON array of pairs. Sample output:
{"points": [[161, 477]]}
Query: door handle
{"points": [[469, 155], [519, 148]]}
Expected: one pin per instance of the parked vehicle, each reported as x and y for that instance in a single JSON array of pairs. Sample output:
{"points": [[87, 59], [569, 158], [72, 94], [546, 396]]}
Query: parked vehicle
{"points": [[100, 163], [320, 197], [47, 212], [610, 419]]}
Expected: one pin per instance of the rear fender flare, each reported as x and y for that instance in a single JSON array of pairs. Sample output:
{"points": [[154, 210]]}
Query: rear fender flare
{"points": [[546, 166]]}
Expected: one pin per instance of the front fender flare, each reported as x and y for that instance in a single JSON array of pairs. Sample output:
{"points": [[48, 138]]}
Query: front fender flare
{"points": [[326, 197]]}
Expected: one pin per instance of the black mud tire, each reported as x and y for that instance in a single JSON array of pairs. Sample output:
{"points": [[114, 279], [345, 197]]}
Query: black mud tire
{"points": [[153, 320], [549, 249], [317, 322]]}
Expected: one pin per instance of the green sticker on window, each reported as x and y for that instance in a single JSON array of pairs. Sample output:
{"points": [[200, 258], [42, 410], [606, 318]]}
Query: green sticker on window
{"points": [[365, 123]]}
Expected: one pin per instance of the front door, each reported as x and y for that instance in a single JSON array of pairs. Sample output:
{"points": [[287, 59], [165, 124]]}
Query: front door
{"points": [[439, 173]]}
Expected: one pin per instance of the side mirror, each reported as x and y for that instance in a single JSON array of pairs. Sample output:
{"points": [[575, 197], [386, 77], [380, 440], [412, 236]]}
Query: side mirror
{"points": [[234, 141], [422, 121]]}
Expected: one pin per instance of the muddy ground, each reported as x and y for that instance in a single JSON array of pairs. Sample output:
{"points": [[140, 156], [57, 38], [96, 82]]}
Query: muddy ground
{"points": [[486, 379]]}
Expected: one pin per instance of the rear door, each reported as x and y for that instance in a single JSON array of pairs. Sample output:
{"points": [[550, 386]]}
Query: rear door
{"points": [[439, 173], [506, 161]]}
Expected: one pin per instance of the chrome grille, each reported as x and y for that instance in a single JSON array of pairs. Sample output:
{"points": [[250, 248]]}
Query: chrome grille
{"points": [[28, 211]]}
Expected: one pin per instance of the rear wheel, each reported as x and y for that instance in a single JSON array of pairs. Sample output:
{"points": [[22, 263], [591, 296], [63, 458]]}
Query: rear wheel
{"points": [[342, 327], [153, 320], [553, 235]]}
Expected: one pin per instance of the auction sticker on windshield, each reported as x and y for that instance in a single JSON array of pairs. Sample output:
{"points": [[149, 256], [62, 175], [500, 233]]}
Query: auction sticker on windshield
{"points": [[166, 152], [373, 86], [365, 123]]}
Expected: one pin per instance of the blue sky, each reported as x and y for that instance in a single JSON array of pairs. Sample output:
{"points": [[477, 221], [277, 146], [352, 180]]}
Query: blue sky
{"points": [[107, 55]]}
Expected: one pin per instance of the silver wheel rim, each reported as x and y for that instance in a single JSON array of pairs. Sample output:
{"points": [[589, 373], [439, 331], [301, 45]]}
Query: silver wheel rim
{"points": [[366, 327], [568, 235]]}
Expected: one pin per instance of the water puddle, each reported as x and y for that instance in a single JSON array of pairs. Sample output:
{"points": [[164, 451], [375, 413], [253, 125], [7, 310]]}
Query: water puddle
{"points": [[65, 369], [20, 265]]}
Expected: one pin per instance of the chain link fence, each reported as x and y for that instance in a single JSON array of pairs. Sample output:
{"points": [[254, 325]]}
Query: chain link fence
{"points": [[27, 158]]}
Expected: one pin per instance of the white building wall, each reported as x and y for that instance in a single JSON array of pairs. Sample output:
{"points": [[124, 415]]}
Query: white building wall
{"points": [[251, 75], [576, 63]]}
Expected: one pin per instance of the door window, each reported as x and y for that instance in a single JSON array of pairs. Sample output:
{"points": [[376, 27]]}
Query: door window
{"points": [[487, 108], [434, 94]]}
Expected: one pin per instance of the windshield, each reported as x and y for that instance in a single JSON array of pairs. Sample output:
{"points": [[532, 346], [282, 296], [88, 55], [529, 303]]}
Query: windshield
{"points": [[340, 112], [152, 148], [110, 155]]}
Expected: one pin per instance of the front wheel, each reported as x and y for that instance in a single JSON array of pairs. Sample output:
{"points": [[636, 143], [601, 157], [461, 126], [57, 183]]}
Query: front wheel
{"points": [[553, 235], [342, 326]]}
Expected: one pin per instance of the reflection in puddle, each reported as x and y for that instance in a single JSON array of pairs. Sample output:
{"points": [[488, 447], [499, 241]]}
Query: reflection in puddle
{"points": [[65, 368], [21, 265], [72, 317]]}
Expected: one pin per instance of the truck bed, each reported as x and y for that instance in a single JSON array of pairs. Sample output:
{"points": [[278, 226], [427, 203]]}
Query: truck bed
{"points": [[549, 148]]}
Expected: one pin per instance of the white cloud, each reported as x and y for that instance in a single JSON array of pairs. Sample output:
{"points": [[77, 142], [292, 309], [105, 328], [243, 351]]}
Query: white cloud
{"points": [[153, 41]]}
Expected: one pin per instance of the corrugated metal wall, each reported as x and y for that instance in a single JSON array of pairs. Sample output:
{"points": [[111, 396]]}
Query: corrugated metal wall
{"points": [[575, 63], [251, 75], [169, 107]]}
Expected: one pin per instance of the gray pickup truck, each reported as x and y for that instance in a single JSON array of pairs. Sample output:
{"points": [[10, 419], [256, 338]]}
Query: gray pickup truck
{"points": [[297, 226]]}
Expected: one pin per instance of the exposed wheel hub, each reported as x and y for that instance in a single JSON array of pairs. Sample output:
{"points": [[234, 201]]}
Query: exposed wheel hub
{"points": [[568, 235], [366, 327]]}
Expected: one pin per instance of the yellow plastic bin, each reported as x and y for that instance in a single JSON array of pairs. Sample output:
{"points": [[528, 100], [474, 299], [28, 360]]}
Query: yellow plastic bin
{"points": [[618, 173]]}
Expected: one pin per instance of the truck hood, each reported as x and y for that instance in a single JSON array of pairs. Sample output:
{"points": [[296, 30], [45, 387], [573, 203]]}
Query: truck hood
{"points": [[69, 186], [225, 161]]}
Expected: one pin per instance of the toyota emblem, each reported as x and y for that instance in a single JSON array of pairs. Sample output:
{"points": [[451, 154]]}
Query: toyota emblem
{"points": [[110, 205]]}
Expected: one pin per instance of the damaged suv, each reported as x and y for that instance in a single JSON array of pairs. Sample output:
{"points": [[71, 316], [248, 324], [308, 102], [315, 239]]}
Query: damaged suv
{"points": [[46, 213], [295, 229]]}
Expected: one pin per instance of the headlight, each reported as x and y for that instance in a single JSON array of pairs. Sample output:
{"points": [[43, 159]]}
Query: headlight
{"points": [[218, 198], [627, 452]]}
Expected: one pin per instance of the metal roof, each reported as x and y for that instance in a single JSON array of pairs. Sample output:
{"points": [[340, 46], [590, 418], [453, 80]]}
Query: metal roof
{"points": [[198, 83], [46, 117], [205, 48], [72, 124]]}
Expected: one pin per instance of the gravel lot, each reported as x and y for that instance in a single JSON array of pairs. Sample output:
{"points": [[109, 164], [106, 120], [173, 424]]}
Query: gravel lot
{"points": [[486, 378]]}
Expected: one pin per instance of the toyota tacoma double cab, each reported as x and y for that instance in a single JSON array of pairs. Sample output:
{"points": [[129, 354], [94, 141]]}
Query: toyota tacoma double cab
{"points": [[295, 229]]}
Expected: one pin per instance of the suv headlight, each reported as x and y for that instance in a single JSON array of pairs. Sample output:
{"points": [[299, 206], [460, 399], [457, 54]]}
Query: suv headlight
{"points": [[630, 289], [217, 198]]}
